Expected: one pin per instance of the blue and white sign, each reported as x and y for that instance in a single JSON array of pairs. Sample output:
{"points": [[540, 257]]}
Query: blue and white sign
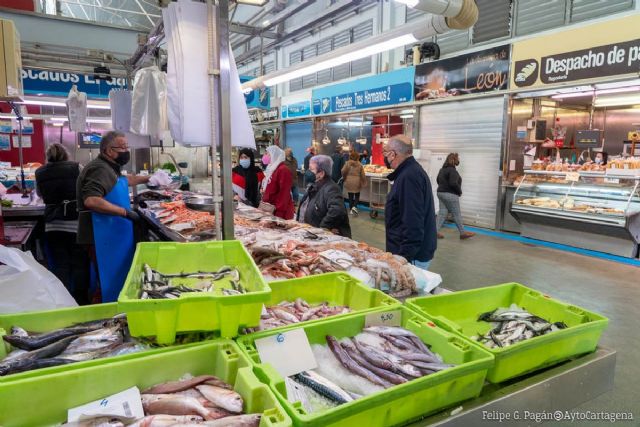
{"points": [[299, 109], [259, 98], [58, 83], [391, 88]]}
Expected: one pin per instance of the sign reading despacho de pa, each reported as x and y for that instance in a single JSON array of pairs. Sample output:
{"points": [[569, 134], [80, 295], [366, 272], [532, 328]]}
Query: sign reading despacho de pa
{"points": [[601, 61], [602, 50]]}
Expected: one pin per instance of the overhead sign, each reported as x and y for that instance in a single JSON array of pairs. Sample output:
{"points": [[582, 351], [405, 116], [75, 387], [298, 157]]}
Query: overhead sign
{"points": [[257, 115], [58, 83], [386, 89], [606, 49], [483, 71], [258, 98], [299, 109]]}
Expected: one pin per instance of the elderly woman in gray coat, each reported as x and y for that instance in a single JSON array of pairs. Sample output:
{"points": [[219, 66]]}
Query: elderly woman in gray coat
{"points": [[323, 205]]}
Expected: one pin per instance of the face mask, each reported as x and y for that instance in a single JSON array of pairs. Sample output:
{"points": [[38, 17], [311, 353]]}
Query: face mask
{"points": [[123, 158], [386, 163], [598, 160], [457, 162], [245, 163], [266, 159]]}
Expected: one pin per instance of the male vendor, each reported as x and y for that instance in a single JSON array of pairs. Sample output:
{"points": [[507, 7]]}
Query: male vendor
{"points": [[105, 217]]}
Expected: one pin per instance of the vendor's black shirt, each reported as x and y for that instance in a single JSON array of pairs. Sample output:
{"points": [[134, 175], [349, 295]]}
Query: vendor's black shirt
{"points": [[97, 179]]}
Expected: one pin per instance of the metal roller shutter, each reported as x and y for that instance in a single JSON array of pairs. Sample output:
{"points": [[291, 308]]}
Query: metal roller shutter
{"points": [[533, 16], [582, 10], [494, 20], [472, 128], [453, 41], [361, 32], [294, 58], [341, 71], [310, 79]]}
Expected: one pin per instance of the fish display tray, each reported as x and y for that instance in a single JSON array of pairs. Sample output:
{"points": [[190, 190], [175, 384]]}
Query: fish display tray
{"points": [[458, 312], [334, 288], [398, 404], [51, 396], [197, 311], [45, 321]]}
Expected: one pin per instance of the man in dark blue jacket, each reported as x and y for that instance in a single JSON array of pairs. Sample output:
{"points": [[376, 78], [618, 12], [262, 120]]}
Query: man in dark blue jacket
{"points": [[409, 212]]}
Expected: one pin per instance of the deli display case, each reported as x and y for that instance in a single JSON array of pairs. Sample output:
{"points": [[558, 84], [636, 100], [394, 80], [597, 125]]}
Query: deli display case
{"points": [[590, 210]]}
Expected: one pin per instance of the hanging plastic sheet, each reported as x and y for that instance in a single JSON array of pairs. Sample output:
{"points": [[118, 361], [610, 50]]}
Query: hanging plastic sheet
{"points": [[149, 102], [189, 106], [77, 110], [120, 100]]}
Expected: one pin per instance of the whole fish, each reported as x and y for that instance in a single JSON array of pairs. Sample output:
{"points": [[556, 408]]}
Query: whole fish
{"points": [[167, 420], [432, 366], [33, 342], [95, 340], [31, 364], [158, 404], [382, 373], [51, 350], [18, 331], [246, 420], [14, 354], [91, 355], [387, 361], [351, 365], [222, 397], [96, 422], [323, 386], [175, 386]]}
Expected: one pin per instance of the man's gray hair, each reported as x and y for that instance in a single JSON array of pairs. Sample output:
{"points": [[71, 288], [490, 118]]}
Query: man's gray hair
{"points": [[401, 144], [109, 139], [324, 163]]}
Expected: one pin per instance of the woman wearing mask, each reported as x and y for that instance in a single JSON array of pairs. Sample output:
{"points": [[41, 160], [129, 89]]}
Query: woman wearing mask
{"points": [[449, 192], [323, 205], [276, 186], [247, 178], [365, 159], [56, 184], [354, 180], [601, 158]]}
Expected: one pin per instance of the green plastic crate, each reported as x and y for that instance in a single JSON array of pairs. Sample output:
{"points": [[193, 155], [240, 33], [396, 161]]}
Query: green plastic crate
{"points": [[45, 400], [198, 311], [45, 321], [459, 311], [334, 288], [401, 403]]}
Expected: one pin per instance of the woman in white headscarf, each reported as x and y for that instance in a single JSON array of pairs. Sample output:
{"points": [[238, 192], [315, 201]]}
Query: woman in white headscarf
{"points": [[277, 183]]}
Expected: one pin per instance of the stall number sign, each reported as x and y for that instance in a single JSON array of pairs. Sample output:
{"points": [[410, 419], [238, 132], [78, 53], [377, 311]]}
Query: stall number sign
{"points": [[388, 318], [288, 352], [376, 97]]}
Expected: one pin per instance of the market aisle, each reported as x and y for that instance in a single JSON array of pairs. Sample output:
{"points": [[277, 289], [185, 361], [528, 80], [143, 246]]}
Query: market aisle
{"points": [[606, 287]]}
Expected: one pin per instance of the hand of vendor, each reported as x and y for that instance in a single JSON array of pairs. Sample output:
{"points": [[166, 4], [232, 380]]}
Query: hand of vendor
{"points": [[131, 215]]}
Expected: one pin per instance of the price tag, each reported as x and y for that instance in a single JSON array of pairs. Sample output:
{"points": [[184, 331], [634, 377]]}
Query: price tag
{"points": [[288, 352], [573, 176], [612, 180], [126, 404], [388, 318]]}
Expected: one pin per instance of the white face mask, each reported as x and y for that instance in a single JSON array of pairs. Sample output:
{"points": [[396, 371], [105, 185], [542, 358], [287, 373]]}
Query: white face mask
{"points": [[598, 160]]}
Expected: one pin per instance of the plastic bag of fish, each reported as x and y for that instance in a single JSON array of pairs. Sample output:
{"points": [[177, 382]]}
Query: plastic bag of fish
{"points": [[157, 285], [376, 359], [204, 400], [513, 325], [95, 339]]}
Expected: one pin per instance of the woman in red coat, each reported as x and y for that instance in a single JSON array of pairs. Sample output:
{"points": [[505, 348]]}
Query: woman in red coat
{"points": [[277, 184]]}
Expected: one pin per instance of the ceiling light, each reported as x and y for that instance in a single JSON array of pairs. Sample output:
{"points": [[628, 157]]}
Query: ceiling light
{"points": [[617, 84], [343, 59], [14, 117], [253, 2], [266, 22], [572, 95], [617, 100], [409, 111], [408, 3], [406, 116], [58, 124], [43, 103]]}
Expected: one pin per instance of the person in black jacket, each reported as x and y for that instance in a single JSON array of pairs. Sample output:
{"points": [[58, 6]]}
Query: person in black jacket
{"points": [[449, 192], [56, 184], [338, 163], [323, 206], [409, 212], [308, 176]]}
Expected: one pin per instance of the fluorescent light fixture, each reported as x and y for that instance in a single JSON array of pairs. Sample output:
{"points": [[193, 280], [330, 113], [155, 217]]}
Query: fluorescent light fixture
{"points": [[612, 101], [59, 119], [343, 59], [44, 103], [13, 117], [266, 22], [92, 120], [597, 92], [58, 124], [253, 2], [409, 111], [408, 3], [573, 95], [406, 116], [89, 119], [613, 85]]}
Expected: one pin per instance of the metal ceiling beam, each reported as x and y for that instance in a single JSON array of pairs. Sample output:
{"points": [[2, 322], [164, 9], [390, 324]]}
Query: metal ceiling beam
{"points": [[250, 30], [337, 10]]}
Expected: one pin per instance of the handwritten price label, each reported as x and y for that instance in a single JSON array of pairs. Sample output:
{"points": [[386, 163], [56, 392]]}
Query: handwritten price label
{"points": [[388, 318], [278, 350], [573, 177]]}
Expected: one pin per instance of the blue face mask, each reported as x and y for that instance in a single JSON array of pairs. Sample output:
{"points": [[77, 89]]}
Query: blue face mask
{"points": [[245, 163]]}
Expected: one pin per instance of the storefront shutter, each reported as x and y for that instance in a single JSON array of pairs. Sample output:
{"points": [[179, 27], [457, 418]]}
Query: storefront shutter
{"points": [[472, 128], [494, 20], [533, 16], [582, 10]]}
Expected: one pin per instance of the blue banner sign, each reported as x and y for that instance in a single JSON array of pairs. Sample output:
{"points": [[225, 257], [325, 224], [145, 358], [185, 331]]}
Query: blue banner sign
{"points": [[58, 83], [259, 98], [391, 88], [299, 109]]}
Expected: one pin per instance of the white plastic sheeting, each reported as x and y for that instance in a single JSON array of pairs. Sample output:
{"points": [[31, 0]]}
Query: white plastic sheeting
{"points": [[189, 106], [77, 110], [149, 102], [120, 101]]}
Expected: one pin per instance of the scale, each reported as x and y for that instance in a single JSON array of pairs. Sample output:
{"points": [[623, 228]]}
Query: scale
{"points": [[326, 140], [342, 140], [361, 139]]}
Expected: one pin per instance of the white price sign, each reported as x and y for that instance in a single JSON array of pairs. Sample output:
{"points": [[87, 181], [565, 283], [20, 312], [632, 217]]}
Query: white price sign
{"points": [[388, 318], [288, 352], [573, 176]]}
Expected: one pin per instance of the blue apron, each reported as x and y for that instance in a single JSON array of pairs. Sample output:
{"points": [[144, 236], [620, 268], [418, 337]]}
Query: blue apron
{"points": [[113, 237]]}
